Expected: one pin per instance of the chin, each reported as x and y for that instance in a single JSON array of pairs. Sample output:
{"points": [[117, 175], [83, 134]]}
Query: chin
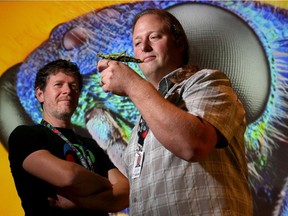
{"points": [[149, 69]]}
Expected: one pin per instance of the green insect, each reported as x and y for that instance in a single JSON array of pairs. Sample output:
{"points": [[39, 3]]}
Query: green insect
{"points": [[122, 57]]}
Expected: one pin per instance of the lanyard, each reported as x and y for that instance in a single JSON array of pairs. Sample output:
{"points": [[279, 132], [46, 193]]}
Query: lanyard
{"points": [[142, 131], [87, 163], [139, 156]]}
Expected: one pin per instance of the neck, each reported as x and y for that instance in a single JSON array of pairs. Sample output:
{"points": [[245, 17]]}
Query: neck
{"points": [[60, 123]]}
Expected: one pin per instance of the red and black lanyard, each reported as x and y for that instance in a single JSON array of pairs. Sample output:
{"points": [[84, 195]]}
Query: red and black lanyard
{"points": [[85, 159]]}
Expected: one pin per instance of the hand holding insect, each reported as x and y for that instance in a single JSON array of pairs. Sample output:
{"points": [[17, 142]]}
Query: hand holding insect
{"points": [[116, 77]]}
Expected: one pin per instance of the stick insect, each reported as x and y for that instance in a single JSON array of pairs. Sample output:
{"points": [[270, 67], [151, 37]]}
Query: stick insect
{"points": [[122, 57]]}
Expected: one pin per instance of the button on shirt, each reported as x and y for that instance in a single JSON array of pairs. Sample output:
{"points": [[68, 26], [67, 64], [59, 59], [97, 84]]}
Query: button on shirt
{"points": [[216, 185]]}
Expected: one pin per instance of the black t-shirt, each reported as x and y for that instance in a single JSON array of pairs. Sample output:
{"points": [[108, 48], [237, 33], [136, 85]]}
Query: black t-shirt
{"points": [[33, 191]]}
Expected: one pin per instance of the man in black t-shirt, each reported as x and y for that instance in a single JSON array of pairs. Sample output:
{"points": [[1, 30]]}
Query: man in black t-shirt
{"points": [[49, 161]]}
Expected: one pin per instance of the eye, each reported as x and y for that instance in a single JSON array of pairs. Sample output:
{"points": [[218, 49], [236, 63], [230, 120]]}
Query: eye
{"points": [[58, 85], [154, 37], [75, 87], [137, 43]]}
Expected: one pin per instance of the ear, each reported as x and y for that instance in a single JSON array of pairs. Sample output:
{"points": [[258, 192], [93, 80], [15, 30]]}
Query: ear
{"points": [[39, 95]]}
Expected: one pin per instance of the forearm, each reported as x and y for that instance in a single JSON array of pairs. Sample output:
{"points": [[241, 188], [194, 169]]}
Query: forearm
{"points": [[190, 134], [84, 182], [65, 175], [113, 199], [108, 201]]}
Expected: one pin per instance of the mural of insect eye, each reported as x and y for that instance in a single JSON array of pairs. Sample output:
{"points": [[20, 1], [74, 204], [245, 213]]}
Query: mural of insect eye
{"points": [[222, 40]]}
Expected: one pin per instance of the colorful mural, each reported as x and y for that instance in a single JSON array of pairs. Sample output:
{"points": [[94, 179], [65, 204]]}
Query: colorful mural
{"points": [[249, 43]]}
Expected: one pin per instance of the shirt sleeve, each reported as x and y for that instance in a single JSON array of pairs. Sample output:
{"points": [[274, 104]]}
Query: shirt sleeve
{"points": [[209, 95], [23, 141]]}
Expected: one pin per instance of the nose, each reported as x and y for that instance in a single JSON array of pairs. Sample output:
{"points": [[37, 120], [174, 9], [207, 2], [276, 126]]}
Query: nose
{"points": [[145, 46], [67, 89]]}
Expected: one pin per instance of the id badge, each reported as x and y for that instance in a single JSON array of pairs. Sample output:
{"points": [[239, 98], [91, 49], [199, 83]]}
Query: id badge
{"points": [[137, 166]]}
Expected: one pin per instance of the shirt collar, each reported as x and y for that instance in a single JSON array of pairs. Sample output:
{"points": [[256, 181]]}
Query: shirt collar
{"points": [[166, 83], [175, 77]]}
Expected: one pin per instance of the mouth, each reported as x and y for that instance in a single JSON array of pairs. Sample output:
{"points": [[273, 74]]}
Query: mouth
{"points": [[66, 100], [148, 58]]}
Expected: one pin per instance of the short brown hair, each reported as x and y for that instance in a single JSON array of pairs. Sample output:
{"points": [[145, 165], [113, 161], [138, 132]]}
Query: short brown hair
{"points": [[60, 65]]}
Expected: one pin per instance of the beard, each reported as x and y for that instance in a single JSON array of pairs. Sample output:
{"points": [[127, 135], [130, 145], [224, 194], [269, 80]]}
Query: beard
{"points": [[63, 113]]}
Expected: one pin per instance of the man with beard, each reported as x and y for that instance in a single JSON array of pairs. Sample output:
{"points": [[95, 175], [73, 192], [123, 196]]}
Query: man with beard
{"points": [[49, 161]]}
